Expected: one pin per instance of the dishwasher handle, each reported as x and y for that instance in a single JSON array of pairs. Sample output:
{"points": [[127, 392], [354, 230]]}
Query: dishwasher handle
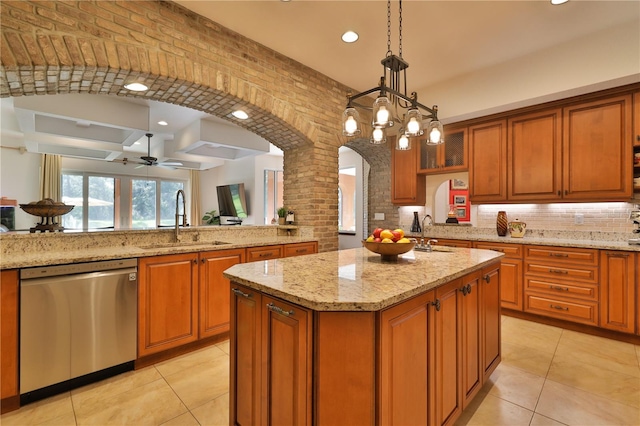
{"points": [[132, 274]]}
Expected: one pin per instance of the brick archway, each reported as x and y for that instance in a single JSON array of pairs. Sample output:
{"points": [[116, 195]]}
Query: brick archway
{"points": [[98, 46]]}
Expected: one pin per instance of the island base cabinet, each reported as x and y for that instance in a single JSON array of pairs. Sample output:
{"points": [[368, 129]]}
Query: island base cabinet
{"points": [[471, 338], [490, 319], [9, 319]]}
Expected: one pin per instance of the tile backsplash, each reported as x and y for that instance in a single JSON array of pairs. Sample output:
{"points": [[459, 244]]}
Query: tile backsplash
{"points": [[604, 217]]}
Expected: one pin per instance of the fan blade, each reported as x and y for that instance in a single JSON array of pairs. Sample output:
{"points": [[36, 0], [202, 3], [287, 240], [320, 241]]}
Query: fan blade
{"points": [[171, 163]]}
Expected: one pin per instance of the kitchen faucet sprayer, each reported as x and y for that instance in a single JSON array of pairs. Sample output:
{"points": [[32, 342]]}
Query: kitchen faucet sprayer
{"points": [[184, 214]]}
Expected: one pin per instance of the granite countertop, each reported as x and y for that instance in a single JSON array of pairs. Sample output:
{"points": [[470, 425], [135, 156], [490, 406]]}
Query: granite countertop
{"points": [[357, 279], [30, 250]]}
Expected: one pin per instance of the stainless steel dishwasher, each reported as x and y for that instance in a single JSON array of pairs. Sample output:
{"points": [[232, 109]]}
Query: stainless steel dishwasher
{"points": [[76, 320]]}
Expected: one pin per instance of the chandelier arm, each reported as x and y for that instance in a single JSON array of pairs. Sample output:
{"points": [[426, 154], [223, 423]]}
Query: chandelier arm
{"points": [[367, 92], [434, 113]]}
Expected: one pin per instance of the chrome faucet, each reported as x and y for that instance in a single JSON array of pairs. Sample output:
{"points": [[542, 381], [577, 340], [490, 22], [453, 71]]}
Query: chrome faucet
{"points": [[428, 247], [176, 231], [429, 224]]}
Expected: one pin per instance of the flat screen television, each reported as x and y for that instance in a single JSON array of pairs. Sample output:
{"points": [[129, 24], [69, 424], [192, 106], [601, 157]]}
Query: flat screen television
{"points": [[232, 201]]}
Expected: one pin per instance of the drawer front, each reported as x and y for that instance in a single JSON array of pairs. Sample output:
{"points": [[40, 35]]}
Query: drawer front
{"points": [[263, 253], [583, 312], [561, 272], [300, 249], [562, 255], [553, 289], [509, 250]]}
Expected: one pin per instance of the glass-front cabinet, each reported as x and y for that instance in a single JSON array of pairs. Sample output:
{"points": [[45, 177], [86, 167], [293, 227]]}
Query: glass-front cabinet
{"points": [[451, 156]]}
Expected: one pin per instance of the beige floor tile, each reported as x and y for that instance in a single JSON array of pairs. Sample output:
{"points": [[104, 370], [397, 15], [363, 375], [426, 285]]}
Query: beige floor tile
{"points": [[175, 365], [224, 346], [494, 411], [528, 359], [540, 420], [638, 354], [516, 386], [115, 385], [57, 409], [598, 380], [185, 419], [213, 413], [604, 353], [573, 406], [150, 404], [541, 337], [202, 382]]}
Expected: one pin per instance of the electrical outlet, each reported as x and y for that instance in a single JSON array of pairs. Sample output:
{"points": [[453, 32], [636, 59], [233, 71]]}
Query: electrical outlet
{"points": [[378, 216], [578, 219]]}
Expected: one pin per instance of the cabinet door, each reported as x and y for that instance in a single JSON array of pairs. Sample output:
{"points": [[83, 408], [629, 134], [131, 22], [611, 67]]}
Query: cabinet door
{"points": [[245, 400], [511, 284], [214, 290], [490, 316], [167, 302], [9, 292], [617, 291], [445, 158], [406, 354], [447, 374], [286, 357], [407, 187], [636, 119], [534, 165], [597, 149], [488, 162], [471, 338]]}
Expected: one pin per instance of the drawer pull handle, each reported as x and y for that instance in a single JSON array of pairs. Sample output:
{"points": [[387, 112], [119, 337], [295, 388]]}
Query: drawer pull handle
{"points": [[560, 308], [239, 292], [555, 287], [558, 255], [278, 310], [264, 255], [558, 271]]}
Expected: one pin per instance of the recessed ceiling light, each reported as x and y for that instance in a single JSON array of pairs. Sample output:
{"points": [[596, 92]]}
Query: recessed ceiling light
{"points": [[136, 87], [240, 114], [350, 37], [163, 123], [557, 2]]}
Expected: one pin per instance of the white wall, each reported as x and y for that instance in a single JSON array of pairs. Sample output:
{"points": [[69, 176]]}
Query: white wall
{"points": [[349, 158], [19, 180]]}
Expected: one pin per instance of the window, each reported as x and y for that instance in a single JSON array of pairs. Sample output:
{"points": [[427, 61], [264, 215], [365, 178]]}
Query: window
{"points": [[273, 189], [118, 201], [347, 199]]}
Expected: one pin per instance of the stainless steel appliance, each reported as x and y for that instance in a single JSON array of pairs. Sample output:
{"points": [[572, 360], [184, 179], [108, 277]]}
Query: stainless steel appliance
{"points": [[75, 320]]}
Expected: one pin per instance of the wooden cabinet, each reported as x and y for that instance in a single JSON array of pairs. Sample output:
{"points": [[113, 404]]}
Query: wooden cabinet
{"points": [[488, 162], [264, 253], [471, 335], [214, 290], [245, 390], [406, 348], [453, 243], [300, 249], [511, 275], [448, 157], [636, 119], [270, 360], [597, 162], [534, 161], [286, 363], [490, 319], [618, 291], [448, 352], [562, 282], [407, 187], [9, 297], [167, 302]]}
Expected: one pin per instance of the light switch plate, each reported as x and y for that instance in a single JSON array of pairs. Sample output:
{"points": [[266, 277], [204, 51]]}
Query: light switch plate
{"points": [[578, 219], [378, 216]]}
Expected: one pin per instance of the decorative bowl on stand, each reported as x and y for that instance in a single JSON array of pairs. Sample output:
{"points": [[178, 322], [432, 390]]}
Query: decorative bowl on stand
{"points": [[389, 251], [46, 209]]}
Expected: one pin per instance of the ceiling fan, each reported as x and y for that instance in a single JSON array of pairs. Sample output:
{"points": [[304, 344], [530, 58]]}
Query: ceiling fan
{"points": [[148, 160]]}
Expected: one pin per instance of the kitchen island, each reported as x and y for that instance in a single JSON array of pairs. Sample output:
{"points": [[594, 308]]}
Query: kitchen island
{"points": [[346, 338]]}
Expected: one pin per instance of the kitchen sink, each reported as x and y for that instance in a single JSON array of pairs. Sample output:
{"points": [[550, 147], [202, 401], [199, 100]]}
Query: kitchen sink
{"points": [[433, 249], [181, 245]]}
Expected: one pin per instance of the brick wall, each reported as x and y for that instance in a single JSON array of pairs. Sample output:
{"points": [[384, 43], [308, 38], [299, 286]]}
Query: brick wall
{"points": [[53, 47]]}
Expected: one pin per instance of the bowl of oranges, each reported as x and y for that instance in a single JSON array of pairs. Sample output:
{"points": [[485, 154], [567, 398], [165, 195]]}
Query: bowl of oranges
{"points": [[388, 243]]}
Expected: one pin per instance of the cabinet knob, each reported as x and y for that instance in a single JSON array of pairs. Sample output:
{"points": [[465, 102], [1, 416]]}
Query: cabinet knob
{"points": [[487, 278], [436, 303]]}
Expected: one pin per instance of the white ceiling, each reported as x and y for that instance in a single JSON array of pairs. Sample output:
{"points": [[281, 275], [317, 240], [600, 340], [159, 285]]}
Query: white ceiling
{"points": [[441, 40]]}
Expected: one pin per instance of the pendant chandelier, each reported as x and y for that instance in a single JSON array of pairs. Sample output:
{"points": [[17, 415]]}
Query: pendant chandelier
{"points": [[393, 105]]}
